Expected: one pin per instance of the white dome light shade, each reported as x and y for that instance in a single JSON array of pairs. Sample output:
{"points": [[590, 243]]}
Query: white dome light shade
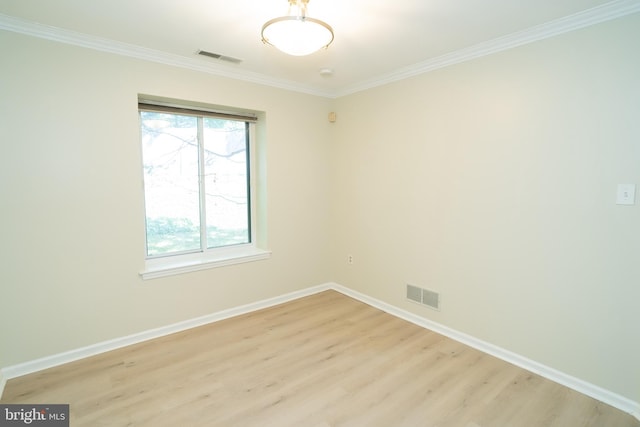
{"points": [[297, 34]]}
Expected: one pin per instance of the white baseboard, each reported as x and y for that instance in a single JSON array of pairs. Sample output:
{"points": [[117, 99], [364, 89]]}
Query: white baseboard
{"points": [[21, 369], [599, 393], [596, 392], [3, 382]]}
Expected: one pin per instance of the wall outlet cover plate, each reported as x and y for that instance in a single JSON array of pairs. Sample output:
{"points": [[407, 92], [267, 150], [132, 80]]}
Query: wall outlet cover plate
{"points": [[626, 194]]}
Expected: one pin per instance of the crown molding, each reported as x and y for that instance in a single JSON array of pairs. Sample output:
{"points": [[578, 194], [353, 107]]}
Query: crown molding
{"points": [[596, 15], [586, 18], [61, 35]]}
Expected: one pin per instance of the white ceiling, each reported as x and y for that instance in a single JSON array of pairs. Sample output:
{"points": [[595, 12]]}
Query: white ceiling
{"points": [[375, 40]]}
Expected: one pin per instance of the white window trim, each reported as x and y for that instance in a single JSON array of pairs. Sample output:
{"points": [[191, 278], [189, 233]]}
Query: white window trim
{"points": [[178, 264], [171, 265]]}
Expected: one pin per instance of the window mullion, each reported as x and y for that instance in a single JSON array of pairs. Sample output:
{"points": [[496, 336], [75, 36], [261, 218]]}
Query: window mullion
{"points": [[201, 186]]}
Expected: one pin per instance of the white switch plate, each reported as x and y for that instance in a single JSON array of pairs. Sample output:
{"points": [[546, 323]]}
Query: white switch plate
{"points": [[626, 194]]}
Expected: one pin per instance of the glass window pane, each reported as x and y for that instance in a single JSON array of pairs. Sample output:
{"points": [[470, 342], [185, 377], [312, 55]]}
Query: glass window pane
{"points": [[172, 203], [226, 182]]}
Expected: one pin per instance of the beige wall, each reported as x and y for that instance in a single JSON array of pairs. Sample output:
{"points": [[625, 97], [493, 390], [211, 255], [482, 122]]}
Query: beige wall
{"points": [[72, 219], [493, 182]]}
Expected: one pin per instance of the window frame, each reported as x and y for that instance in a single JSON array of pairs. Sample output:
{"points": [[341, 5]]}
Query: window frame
{"points": [[205, 258]]}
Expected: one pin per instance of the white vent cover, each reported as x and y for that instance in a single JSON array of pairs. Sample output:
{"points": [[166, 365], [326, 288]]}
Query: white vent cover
{"points": [[423, 296]]}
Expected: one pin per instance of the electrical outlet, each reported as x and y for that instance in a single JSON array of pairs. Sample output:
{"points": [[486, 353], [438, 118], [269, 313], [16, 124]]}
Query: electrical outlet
{"points": [[626, 194], [350, 259]]}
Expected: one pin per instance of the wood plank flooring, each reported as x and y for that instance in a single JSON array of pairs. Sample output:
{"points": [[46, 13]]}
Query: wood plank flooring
{"points": [[323, 360]]}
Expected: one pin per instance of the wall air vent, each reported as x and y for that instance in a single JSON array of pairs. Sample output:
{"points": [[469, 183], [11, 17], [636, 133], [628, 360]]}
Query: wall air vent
{"points": [[414, 294], [423, 296], [220, 57]]}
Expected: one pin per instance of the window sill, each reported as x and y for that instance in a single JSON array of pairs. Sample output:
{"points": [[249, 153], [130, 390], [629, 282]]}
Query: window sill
{"points": [[172, 265]]}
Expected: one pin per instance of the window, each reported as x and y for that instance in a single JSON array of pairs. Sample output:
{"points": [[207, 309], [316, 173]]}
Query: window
{"points": [[197, 168]]}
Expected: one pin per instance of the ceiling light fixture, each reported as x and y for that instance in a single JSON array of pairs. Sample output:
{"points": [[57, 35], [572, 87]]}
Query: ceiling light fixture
{"points": [[296, 33]]}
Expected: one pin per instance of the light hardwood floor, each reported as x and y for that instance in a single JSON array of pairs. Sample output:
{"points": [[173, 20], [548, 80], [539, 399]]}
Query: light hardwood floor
{"points": [[322, 360]]}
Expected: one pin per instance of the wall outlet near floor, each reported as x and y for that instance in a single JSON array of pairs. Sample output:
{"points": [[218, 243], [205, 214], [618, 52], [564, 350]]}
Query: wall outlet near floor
{"points": [[349, 259], [422, 296]]}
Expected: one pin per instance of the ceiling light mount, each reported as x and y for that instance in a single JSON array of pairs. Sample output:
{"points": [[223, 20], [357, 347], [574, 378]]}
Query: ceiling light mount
{"points": [[296, 33]]}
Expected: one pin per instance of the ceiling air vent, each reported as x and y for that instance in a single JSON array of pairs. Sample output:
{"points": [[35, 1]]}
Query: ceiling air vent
{"points": [[220, 57]]}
